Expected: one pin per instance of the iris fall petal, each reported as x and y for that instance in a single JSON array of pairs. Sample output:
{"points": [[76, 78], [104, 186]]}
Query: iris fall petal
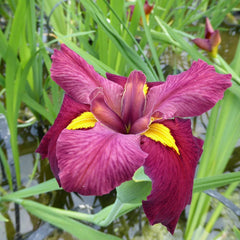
{"points": [[95, 161], [171, 174], [47, 148]]}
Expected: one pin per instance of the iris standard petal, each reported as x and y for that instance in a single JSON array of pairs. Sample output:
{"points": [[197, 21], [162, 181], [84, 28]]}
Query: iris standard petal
{"points": [[133, 101], [95, 161], [171, 173], [189, 93], [47, 148]]}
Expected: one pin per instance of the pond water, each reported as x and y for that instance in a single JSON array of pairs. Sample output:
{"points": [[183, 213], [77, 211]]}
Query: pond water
{"points": [[131, 226]]}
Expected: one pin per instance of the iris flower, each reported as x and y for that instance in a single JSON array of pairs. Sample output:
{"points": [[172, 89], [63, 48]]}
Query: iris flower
{"points": [[109, 127], [211, 41], [147, 10]]}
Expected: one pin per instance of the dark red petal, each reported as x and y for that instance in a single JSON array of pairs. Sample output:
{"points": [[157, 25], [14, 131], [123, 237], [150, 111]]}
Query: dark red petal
{"points": [[95, 161], [171, 174], [47, 148]]}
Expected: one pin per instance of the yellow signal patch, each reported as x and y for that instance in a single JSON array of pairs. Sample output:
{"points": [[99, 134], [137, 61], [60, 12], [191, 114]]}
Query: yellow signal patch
{"points": [[85, 120], [160, 133]]}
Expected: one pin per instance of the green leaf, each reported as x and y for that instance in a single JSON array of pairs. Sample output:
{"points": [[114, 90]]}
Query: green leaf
{"points": [[133, 192], [77, 229], [55, 13], [50, 185], [237, 232], [202, 184], [129, 54], [150, 41], [3, 219], [6, 167], [130, 195], [30, 102], [222, 135], [140, 176]]}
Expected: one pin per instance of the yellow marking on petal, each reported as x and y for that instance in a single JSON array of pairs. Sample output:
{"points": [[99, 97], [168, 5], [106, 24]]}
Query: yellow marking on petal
{"points": [[85, 120], [160, 133], [145, 89]]}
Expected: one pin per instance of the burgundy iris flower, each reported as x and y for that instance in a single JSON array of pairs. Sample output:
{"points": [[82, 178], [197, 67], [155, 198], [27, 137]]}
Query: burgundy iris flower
{"points": [[147, 10], [211, 41], [108, 128]]}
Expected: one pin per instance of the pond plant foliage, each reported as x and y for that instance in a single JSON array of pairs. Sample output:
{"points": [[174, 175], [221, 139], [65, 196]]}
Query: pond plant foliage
{"points": [[118, 120]]}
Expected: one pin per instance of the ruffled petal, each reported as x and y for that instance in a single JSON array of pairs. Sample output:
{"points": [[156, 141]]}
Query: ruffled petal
{"points": [[133, 102], [95, 161], [47, 148], [187, 94], [72, 73], [171, 173]]}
